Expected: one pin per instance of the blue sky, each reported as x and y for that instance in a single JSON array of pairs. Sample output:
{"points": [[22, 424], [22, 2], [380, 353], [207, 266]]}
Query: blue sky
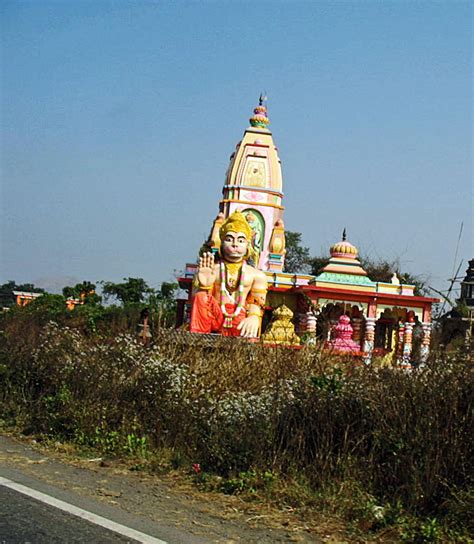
{"points": [[119, 118]]}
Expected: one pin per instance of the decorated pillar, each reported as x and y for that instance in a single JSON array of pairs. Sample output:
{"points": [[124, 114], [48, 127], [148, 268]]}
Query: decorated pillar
{"points": [[425, 342], [407, 342], [400, 337], [356, 322], [307, 322], [357, 329], [311, 322], [307, 311], [369, 337]]}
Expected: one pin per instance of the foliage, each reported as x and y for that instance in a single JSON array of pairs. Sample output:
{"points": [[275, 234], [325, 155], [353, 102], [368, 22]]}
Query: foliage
{"points": [[46, 307], [11, 285], [297, 257], [383, 447], [84, 291], [317, 264], [163, 303], [383, 270], [130, 291]]}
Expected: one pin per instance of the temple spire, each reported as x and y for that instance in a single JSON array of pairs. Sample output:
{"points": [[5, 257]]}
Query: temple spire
{"points": [[253, 185], [259, 118], [344, 235]]}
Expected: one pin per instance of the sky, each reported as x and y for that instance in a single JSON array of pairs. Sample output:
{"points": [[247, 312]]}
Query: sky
{"points": [[119, 119]]}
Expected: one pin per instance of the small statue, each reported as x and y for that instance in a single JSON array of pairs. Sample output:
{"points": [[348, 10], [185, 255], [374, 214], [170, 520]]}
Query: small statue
{"points": [[281, 330], [342, 340], [229, 295]]}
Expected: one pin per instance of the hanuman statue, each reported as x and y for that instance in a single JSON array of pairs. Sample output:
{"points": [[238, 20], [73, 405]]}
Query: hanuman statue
{"points": [[229, 295]]}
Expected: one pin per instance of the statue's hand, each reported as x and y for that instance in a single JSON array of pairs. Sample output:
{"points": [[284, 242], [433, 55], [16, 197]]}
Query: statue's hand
{"points": [[206, 273], [249, 326]]}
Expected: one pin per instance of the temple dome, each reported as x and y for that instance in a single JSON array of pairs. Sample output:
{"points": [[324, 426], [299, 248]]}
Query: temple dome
{"points": [[344, 249], [344, 263]]}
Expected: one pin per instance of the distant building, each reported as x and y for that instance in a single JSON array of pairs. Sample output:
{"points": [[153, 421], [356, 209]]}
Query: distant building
{"points": [[22, 298]]}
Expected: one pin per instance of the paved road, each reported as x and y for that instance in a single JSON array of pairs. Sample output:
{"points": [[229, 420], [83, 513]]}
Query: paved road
{"points": [[32, 512], [24, 520], [140, 502]]}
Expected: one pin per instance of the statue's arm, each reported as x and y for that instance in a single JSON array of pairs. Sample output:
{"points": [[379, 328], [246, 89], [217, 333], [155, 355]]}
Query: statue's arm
{"points": [[250, 326]]}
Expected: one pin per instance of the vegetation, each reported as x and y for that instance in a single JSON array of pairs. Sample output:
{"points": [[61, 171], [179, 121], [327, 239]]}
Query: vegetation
{"points": [[85, 292], [297, 257], [131, 291], [389, 451]]}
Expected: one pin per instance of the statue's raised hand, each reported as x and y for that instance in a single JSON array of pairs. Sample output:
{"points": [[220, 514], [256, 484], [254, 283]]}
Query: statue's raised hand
{"points": [[206, 272]]}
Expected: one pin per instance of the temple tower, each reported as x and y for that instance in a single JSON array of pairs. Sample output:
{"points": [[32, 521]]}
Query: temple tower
{"points": [[253, 185]]}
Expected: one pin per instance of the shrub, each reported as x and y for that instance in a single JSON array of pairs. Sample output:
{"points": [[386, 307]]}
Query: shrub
{"points": [[379, 436]]}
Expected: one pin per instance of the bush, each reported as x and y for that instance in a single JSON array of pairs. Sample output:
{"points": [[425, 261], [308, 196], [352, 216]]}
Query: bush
{"points": [[241, 411]]}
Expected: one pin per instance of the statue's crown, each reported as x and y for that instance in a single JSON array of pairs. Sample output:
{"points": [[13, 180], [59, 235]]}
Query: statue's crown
{"points": [[236, 223]]}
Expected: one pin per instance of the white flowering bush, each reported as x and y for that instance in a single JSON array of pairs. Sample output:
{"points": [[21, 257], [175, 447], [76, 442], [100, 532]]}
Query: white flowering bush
{"points": [[231, 408]]}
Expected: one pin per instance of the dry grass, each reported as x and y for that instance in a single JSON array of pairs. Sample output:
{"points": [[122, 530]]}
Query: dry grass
{"points": [[301, 429]]}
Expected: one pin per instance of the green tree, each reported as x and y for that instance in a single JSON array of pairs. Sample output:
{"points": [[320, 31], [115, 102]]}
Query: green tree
{"points": [[131, 291], [84, 291], [47, 307], [297, 257], [383, 270], [163, 303], [317, 264]]}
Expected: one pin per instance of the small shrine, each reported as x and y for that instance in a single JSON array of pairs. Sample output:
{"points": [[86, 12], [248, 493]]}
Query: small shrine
{"points": [[341, 306]]}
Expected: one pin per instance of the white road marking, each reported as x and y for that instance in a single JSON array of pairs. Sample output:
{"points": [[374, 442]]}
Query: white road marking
{"points": [[79, 512]]}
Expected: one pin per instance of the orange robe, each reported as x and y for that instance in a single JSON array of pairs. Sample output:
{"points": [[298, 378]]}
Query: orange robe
{"points": [[207, 316]]}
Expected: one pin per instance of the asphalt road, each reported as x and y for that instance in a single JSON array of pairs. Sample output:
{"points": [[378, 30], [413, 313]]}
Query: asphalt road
{"points": [[26, 520], [45, 500]]}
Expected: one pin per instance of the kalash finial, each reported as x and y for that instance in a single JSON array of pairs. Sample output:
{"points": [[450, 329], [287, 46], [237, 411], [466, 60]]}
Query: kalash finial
{"points": [[260, 119], [344, 248]]}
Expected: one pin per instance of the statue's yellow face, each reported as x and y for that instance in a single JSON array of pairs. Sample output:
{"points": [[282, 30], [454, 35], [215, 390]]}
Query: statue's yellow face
{"points": [[234, 246]]}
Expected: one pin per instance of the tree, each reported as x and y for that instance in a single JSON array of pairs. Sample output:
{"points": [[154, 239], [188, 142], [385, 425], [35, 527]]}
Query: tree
{"points": [[317, 264], [297, 257], [167, 291], [131, 291], [163, 302], [84, 291], [47, 307], [383, 270]]}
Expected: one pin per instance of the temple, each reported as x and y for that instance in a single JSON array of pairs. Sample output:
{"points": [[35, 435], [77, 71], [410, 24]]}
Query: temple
{"points": [[385, 318]]}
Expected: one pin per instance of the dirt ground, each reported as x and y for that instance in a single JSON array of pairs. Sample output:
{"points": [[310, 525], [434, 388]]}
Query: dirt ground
{"points": [[169, 499]]}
